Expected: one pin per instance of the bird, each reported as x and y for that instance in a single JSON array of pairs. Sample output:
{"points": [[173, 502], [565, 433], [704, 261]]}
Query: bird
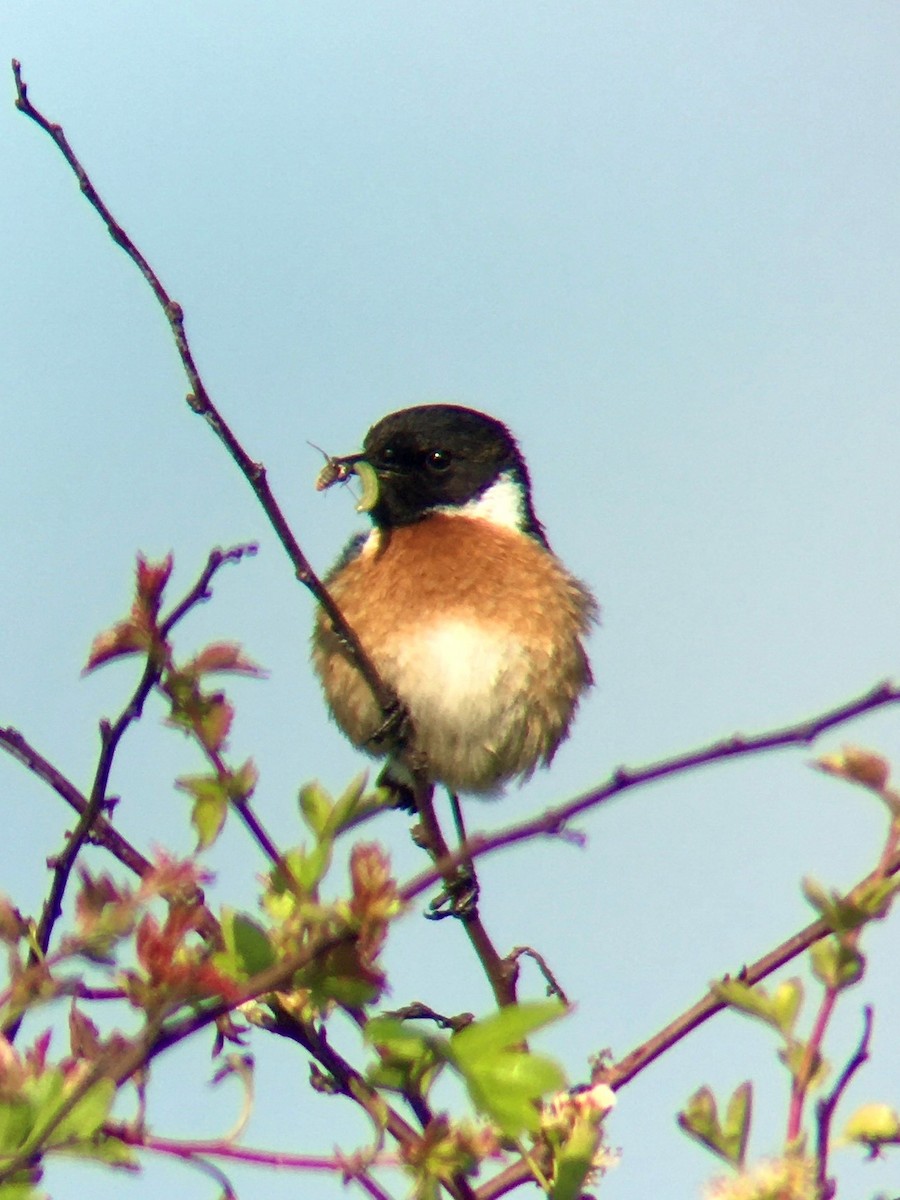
{"points": [[458, 601]]}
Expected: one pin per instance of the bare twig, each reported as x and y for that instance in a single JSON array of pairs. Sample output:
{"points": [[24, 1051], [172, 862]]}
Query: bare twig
{"points": [[200, 592], [103, 832], [501, 973], [201, 403], [223, 1148], [826, 1107], [554, 822], [110, 736], [553, 985], [424, 1012]]}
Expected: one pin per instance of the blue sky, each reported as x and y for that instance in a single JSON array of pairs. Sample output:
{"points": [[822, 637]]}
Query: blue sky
{"points": [[661, 242]]}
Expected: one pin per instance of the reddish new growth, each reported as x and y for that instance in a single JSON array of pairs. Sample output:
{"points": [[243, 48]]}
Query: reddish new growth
{"points": [[139, 633], [176, 966]]}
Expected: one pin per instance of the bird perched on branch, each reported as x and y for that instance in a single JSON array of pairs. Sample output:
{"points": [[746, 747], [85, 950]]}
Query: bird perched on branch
{"points": [[456, 597]]}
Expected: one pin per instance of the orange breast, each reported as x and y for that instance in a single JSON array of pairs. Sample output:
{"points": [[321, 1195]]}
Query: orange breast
{"points": [[478, 629]]}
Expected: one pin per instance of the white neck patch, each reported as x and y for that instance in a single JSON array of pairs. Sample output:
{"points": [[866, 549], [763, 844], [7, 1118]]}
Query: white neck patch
{"points": [[503, 503]]}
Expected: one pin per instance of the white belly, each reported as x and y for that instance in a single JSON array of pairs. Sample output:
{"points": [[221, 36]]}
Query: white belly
{"points": [[463, 685]]}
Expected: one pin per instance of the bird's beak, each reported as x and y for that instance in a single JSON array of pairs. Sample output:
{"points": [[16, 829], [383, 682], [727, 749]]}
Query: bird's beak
{"points": [[339, 470]]}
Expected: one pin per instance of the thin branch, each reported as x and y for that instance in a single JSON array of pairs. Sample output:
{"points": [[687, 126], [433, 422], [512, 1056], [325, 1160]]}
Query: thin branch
{"points": [[200, 592], [803, 1074], [553, 985], [103, 832], [201, 403], [221, 1148], [192, 1151], [64, 863], [826, 1107], [633, 1063], [195, 1152], [554, 822], [423, 1012], [350, 1083], [502, 974]]}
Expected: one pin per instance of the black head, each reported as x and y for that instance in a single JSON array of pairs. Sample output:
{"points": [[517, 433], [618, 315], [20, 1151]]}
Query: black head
{"points": [[443, 456]]}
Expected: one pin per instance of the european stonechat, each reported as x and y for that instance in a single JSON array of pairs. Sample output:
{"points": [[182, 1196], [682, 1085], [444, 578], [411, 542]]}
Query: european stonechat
{"points": [[455, 595]]}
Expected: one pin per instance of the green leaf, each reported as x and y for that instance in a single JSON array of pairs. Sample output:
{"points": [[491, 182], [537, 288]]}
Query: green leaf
{"points": [[83, 1121], [105, 1149], [347, 804], [808, 1074], [738, 1115], [46, 1092], [20, 1191], [836, 963], [574, 1159], [247, 944], [208, 818], [391, 1034], [504, 1080], [309, 866], [407, 1061], [16, 1120], [243, 781], [315, 806], [508, 1027], [868, 902], [778, 1009], [786, 1001], [506, 1087], [874, 897], [700, 1120], [210, 807]]}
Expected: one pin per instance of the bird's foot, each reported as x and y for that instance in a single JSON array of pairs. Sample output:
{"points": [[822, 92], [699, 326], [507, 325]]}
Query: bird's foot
{"points": [[395, 728], [458, 898]]}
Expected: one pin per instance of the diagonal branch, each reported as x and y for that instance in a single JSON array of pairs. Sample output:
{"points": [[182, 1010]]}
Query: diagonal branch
{"points": [[554, 822], [617, 1075], [202, 404], [626, 1068], [103, 832]]}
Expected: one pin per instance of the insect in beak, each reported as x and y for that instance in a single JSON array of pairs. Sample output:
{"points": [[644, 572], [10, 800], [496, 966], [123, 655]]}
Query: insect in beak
{"points": [[339, 470]]}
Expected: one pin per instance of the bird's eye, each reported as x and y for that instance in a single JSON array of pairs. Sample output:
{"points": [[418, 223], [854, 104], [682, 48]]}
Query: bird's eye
{"points": [[389, 454], [438, 461]]}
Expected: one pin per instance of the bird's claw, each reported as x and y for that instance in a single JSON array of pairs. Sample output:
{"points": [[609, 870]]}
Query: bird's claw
{"points": [[458, 898]]}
